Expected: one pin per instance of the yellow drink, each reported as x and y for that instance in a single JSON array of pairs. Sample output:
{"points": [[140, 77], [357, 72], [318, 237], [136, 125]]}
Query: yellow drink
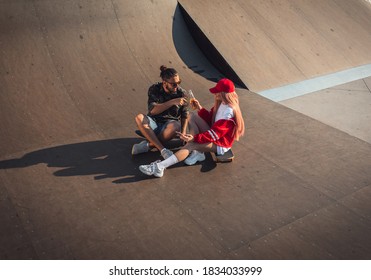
{"points": [[193, 103]]}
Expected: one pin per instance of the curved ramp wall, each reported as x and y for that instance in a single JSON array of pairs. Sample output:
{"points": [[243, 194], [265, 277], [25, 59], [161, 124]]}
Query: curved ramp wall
{"points": [[274, 43]]}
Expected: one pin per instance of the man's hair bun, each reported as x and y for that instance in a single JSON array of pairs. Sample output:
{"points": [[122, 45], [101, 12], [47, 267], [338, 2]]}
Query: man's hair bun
{"points": [[163, 68], [167, 73]]}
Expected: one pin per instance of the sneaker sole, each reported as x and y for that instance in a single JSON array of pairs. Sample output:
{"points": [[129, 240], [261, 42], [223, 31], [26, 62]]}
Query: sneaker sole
{"points": [[150, 174], [158, 175]]}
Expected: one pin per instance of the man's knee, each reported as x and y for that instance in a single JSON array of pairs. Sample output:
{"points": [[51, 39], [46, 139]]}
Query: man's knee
{"points": [[141, 120]]}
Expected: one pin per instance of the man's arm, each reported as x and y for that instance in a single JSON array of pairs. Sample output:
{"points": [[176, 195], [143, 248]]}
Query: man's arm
{"points": [[184, 125], [158, 108]]}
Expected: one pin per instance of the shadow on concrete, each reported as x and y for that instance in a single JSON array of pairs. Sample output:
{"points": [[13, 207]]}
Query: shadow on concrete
{"points": [[189, 40], [189, 52], [101, 159]]}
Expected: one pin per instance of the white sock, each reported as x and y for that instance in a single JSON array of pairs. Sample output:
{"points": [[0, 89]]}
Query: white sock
{"points": [[168, 162]]}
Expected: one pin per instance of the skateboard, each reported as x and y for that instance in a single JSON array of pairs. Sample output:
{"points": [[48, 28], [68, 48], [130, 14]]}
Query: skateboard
{"points": [[227, 157]]}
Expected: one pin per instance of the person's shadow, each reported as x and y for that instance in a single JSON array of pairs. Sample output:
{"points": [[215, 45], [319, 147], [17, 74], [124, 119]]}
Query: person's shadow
{"points": [[101, 159]]}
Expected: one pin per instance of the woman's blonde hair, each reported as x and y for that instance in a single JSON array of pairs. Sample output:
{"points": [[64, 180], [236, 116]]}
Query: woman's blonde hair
{"points": [[231, 99]]}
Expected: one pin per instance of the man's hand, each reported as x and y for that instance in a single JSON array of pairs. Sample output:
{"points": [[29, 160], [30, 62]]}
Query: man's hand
{"points": [[178, 101], [158, 108]]}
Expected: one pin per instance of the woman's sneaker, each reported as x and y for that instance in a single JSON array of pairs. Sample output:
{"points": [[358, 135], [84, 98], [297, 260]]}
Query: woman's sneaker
{"points": [[139, 148], [152, 169], [194, 157]]}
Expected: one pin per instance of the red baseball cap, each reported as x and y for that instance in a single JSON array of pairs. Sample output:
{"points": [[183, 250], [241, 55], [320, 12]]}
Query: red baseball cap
{"points": [[224, 85]]}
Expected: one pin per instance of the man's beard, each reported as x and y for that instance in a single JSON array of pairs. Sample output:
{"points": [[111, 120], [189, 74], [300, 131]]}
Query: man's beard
{"points": [[171, 89]]}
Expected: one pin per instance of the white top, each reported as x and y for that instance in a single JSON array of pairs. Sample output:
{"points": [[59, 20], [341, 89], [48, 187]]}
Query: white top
{"points": [[225, 112]]}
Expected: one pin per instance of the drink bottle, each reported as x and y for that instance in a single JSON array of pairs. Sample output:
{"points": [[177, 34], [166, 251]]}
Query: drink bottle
{"points": [[191, 98]]}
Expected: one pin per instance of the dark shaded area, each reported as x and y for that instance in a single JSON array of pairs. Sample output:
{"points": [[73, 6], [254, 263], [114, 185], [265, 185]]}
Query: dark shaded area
{"points": [[102, 159], [210, 51], [189, 51]]}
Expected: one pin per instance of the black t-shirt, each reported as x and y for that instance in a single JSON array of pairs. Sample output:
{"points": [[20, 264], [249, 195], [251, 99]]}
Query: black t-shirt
{"points": [[157, 94]]}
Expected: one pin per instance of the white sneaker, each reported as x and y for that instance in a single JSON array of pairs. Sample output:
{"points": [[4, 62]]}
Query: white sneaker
{"points": [[139, 148], [166, 153], [194, 157], [152, 169]]}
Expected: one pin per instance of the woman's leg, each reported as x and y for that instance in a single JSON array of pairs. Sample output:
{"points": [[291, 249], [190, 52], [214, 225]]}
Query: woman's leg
{"points": [[197, 124], [184, 152], [157, 168]]}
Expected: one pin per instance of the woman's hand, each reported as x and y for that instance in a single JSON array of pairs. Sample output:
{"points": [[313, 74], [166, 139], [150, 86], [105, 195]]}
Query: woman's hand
{"points": [[196, 104], [185, 137]]}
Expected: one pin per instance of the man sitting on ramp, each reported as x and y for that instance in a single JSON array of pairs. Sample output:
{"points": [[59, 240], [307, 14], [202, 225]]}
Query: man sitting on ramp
{"points": [[167, 114]]}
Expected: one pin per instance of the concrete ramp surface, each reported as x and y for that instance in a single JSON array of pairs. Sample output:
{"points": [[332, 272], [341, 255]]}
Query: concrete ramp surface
{"points": [[74, 74], [274, 43]]}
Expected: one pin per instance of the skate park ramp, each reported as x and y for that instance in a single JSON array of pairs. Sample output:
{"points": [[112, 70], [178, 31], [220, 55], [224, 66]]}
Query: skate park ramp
{"points": [[74, 74], [274, 43]]}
